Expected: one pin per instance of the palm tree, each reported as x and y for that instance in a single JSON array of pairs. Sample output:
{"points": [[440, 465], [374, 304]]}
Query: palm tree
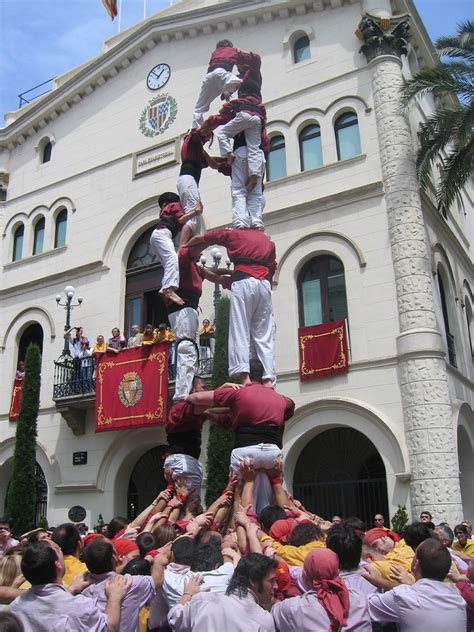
{"points": [[447, 135]]}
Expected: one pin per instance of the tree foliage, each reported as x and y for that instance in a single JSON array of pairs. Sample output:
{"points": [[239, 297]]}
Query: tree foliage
{"points": [[446, 137], [220, 440], [400, 519], [21, 500]]}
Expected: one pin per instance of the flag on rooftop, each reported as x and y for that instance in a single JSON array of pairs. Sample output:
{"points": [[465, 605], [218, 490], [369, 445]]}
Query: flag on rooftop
{"points": [[110, 7]]}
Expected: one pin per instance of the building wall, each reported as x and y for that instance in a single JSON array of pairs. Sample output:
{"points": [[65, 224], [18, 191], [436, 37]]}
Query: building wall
{"points": [[336, 209]]}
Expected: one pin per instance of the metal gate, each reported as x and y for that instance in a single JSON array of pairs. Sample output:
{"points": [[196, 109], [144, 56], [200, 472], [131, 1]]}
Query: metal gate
{"points": [[361, 498]]}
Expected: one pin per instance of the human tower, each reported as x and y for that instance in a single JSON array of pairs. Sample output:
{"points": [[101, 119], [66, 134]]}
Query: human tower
{"points": [[253, 409]]}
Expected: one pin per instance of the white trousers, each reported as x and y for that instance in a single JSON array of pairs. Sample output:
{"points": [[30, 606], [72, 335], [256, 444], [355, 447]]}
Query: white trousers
{"points": [[247, 206], [162, 245], [264, 456], [178, 466], [214, 84], [189, 197], [251, 125], [251, 324], [185, 324]]}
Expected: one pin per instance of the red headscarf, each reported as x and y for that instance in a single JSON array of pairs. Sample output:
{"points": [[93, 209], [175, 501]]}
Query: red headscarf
{"points": [[282, 529], [379, 532], [322, 569]]}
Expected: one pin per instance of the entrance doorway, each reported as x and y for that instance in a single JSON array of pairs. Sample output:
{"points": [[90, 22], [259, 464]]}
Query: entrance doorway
{"points": [[146, 481], [340, 472]]}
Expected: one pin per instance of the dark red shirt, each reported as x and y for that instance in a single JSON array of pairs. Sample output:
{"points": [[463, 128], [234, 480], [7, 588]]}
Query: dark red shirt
{"points": [[182, 418], [255, 405], [169, 215], [190, 281], [192, 148], [250, 250], [249, 103], [250, 65], [224, 57]]}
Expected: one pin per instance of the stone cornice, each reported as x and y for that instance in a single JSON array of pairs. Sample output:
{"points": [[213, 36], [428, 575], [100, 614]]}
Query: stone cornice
{"points": [[158, 29]]}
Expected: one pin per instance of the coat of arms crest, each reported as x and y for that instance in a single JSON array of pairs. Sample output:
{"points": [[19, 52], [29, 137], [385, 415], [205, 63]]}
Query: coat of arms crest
{"points": [[158, 115], [130, 389]]}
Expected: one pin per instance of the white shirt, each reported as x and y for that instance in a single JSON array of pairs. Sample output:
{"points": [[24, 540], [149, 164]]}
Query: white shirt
{"points": [[428, 605], [175, 575]]}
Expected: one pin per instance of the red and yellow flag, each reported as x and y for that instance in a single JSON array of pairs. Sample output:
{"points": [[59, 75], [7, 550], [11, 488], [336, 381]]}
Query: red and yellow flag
{"points": [[110, 7]]}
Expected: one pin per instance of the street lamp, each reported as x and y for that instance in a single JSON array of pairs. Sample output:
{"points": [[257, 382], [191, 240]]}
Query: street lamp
{"points": [[216, 257], [68, 306]]}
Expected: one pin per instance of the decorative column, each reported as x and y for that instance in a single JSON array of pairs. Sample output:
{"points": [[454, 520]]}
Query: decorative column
{"points": [[426, 402]]}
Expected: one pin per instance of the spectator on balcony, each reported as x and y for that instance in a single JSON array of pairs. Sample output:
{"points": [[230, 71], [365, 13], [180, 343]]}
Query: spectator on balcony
{"points": [[148, 336], [100, 345], [164, 333], [206, 333], [117, 342], [85, 357], [20, 372], [135, 340], [76, 342]]}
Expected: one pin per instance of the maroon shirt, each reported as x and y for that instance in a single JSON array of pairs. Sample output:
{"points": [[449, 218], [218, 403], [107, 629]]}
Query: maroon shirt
{"points": [[169, 215], [249, 103], [255, 405], [183, 429], [224, 57], [192, 148], [190, 281], [250, 64], [251, 251]]}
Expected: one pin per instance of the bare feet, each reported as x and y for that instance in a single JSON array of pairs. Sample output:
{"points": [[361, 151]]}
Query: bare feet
{"points": [[170, 295], [251, 182]]}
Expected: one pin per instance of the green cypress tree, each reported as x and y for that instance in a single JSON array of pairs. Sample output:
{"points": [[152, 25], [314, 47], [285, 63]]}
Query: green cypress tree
{"points": [[21, 498], [220, 439]]}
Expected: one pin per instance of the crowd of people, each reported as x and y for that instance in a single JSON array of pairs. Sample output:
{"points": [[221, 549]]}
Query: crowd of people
{"points": [[178, 567], [255, 559]]}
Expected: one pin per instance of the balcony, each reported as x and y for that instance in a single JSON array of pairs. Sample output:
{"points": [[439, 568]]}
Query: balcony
{"points": [[74, 385]]}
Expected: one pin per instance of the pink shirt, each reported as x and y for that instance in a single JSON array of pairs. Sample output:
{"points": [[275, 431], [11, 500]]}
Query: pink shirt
{"points": [[51, 608], [303, 613], [426, 605], [140, 593], [212, 612]]}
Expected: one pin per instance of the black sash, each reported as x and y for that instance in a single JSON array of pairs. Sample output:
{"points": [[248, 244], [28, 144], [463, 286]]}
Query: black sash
{"points": [[248, 434]]}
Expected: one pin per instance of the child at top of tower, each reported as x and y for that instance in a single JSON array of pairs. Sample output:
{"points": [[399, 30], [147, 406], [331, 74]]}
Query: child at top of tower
{"points": [[193, 160], [219, 78], [172, 219]]}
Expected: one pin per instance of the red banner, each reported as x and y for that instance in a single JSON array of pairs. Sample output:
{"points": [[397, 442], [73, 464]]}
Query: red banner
{"points": [[132, 388], [17, 393], [323, 350]]}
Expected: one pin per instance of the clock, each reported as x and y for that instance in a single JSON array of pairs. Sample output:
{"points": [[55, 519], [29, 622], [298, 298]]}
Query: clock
{"points": [[158, 76]]}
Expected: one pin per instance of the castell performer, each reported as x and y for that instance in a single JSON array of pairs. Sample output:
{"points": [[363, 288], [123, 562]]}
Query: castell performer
{"points": [[257, 415], [172, 218], [219, 79], [251, 320]]}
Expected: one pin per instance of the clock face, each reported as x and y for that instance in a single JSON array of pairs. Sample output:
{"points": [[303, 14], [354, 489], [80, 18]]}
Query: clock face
{"points": [[158, 76]]}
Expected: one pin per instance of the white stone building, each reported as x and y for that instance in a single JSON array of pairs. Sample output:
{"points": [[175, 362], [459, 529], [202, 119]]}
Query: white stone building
{"points": [[81, 169]]}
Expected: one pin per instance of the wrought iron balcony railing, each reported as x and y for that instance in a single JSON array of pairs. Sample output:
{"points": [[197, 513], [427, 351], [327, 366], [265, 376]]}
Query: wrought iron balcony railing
{"points": [[76, 376]]}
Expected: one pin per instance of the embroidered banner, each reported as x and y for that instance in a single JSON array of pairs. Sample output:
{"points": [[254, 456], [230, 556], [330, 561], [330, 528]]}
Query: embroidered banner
{"points": [[132, 388], [323, 350], [17, 393]]}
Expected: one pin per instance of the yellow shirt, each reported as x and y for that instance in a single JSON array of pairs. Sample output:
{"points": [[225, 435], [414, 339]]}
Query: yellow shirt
{"points": [[295, 555], [143, 616], [467, 550], [99, 348], [401, 554], [164, 336], [73, 568]]}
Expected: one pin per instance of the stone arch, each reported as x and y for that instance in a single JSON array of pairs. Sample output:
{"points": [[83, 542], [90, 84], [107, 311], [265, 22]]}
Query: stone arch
{"points": [[119, 460], [328, 413], [296, 31], [439, 255], [340, 237], [25, 318], [465, 447]]}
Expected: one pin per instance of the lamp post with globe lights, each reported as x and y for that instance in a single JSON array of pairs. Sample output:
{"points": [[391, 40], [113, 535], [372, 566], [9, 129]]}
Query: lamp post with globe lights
{"points": [[68, 306]]}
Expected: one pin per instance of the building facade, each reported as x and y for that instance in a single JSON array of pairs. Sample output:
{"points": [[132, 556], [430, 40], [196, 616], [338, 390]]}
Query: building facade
{"points": [[81, 169]]}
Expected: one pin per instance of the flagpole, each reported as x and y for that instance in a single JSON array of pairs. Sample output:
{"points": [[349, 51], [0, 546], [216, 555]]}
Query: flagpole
{"points": [[120, 15]]}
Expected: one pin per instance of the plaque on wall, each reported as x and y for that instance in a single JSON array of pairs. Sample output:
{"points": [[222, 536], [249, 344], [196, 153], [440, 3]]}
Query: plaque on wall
{"points": [[79, 458], [156, 157], [77, 513]]}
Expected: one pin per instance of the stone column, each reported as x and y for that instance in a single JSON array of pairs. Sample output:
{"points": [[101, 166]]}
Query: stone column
{"points": [[426, 402]]}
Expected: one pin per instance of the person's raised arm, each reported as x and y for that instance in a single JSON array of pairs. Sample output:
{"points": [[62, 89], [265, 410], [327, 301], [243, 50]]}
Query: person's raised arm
{"points": [[248, 474], [196, 245], [160, 562], [160, 501], [115, 591]]}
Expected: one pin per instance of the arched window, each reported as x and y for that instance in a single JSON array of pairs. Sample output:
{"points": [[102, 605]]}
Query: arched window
{"points": [[32, 334], [38, 240], [347, 136], [146, 475], [311, 155], [60, 232], [18, 243], [449, 335], [276, 164], [144, 274], [46, 154], [301, 49], [322, 291], [470, 325]]}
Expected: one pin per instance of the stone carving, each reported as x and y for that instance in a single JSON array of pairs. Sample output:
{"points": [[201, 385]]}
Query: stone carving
{"points": [[383, 35]]}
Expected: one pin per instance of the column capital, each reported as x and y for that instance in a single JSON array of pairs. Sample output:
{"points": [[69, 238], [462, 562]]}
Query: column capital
{"points": [[383, 35]]}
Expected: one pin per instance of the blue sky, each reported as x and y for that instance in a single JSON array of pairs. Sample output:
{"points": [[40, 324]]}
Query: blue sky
{"points": [[40, 39]]}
